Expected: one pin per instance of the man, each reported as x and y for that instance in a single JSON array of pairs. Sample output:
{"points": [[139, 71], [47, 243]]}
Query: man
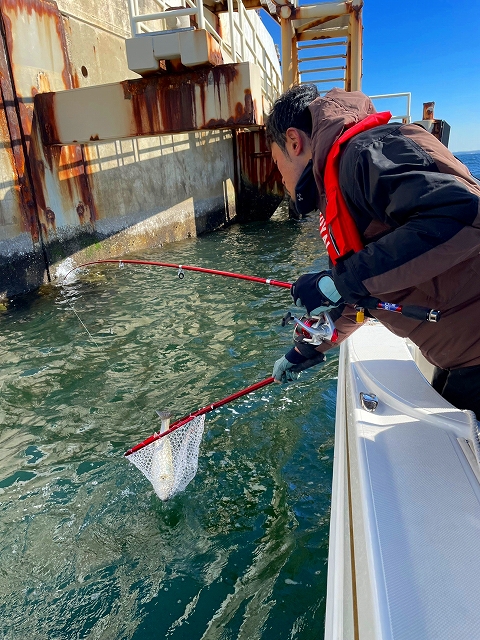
{"points": [[400, 217]]}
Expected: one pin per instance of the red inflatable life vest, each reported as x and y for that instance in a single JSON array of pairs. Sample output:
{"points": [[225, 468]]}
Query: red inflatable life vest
{"points": [[337, 228]]}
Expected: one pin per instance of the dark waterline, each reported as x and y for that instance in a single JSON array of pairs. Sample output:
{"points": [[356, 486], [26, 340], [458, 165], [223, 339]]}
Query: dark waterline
{"points": [[87, 549]]}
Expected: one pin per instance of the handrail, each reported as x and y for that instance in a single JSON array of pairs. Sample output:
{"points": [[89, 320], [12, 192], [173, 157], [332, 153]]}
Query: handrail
{"points": [[406, 118], [173, 13]]}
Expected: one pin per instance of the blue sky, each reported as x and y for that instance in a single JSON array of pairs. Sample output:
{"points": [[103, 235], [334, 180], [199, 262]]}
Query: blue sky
{"points": [[431, 50]]}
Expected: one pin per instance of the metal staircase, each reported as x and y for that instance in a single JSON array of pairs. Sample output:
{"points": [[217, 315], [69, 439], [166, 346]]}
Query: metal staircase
{"points": [[199, 34]]}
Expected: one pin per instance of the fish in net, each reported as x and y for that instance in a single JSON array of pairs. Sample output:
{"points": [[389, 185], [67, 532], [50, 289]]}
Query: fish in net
{"points": [[171, 461]]}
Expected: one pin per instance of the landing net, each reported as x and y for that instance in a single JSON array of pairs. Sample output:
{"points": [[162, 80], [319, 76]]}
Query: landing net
{"points": [[171, 462]]}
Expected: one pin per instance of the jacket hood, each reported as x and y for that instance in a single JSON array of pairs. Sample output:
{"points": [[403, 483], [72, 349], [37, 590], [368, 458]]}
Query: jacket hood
{"points": [[336, 111]]}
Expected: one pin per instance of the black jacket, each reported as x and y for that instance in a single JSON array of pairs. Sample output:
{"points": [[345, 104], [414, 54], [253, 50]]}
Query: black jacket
{"points": [[418, 210]]}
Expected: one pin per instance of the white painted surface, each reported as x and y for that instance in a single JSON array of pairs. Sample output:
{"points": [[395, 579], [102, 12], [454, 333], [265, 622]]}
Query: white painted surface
{"points": [[415, 501]]}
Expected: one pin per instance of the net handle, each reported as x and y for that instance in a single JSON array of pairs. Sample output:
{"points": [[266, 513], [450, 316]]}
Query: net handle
{"points": [[200, 412]]}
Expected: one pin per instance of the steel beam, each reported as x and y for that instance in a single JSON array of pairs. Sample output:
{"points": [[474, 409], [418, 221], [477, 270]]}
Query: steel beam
{"points": [[223, 97], [322, 34], [354, 49], [326, 10]]}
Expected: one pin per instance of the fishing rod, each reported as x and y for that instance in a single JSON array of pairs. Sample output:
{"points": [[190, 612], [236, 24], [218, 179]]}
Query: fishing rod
{"points": [[409, 311], [184, 267]]}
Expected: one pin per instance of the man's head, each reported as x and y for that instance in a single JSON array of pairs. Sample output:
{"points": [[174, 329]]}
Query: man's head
{"points": [[289, 127]]}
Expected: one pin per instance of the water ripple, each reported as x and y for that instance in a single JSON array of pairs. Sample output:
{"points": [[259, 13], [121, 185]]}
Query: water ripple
{"points": [[86, 548]]}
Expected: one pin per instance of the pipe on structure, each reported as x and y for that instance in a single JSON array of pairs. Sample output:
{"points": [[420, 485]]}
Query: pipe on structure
{"points": [[354, 49], [287, 52]]}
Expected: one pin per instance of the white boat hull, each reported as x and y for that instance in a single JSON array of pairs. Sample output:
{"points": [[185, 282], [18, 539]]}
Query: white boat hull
{"points": [[405, 522]]}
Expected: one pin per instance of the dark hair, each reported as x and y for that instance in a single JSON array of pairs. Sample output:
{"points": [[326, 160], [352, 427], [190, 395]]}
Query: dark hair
{"points": [[291, 110]]}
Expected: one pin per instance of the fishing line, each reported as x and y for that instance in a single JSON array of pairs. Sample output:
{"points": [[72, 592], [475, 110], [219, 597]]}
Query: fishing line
{"points": [[101, 350], [323, 329], [169, 459]]}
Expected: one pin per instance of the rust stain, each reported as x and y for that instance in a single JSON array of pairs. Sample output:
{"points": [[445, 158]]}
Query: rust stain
{"points": [[73, 179], [66, 163], [215, 56], [50, 218], [45, 11], [259, 183], [428, 111], [70, 163], [24, 214], [45, 113], [30, 18], [15, 147], [348, 74], [249, 105], [257, 166], [81, 212], [167, 103], [203, 101], [86, 190], [26, 115], [355, 9], [43, 84]]}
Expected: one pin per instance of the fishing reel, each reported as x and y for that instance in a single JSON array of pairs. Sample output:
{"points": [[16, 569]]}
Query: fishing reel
{"points": [[312, 329]]}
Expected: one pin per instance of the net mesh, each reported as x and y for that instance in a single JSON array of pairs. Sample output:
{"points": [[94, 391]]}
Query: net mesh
{"points": [[171, 462]]}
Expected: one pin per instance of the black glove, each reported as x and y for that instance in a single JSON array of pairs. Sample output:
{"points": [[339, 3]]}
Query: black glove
{"points": [[316, 292]]}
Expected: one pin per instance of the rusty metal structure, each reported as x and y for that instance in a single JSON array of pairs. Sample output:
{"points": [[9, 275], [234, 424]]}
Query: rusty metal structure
{"points": [[439, 128], [99, 159]]}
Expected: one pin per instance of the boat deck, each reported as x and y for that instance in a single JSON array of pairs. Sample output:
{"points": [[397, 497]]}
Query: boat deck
{"points": [[406, 483]]}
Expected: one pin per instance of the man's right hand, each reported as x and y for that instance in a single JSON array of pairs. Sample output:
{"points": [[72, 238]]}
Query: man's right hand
{"points": [[316, 292]]}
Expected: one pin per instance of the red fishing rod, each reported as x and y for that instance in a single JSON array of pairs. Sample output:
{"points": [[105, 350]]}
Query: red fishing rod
{"points": [[410, 311], [185, 267]]}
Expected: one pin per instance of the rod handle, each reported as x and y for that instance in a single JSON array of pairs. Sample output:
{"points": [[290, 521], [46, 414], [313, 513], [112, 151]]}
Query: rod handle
{"points": [[421, 313]]}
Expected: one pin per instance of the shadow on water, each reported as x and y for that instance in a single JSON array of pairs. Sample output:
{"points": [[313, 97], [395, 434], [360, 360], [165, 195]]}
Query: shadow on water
{"points": [[87, 550]]}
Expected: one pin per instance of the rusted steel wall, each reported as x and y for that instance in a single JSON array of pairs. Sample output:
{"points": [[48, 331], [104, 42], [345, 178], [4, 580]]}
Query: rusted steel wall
{"points": [[21, 253], [107, 198], [223, 97], [259, 183], [53, 183]]}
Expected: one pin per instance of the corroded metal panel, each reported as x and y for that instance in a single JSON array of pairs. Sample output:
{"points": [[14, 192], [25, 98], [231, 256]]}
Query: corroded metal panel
{"points": [[37, 51], [38, 62], [226, 96], [148, 189], [260, 188], [18, 213]]}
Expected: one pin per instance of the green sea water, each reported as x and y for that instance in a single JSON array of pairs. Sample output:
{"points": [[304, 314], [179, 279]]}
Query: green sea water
{"points": [[87, 550]]}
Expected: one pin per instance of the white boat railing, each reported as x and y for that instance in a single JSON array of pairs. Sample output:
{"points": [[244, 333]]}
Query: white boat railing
{"points": [[243, 43], [404, 117]]}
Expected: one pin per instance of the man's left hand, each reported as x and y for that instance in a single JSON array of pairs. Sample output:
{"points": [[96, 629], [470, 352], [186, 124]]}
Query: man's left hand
{"points": [[286, 371]]}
